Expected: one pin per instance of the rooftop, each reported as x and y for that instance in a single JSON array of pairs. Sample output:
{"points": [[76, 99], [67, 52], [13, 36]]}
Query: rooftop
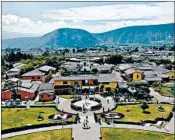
{"points": [[45, 86], [35, 72], [77, 77], [46, 68], [107, 77]]}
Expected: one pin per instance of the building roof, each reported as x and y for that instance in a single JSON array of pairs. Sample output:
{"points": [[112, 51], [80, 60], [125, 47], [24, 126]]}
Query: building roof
{"points": [[35, 72], [122, 84], [159, 69], [26, 85], [129, 71], [46, 68], [26, 81], [102, 67], [50, 92], [14, 70], [107, 77], [126, 66], [45, 86], [77, 77], [14, 79], [32, 89], [163, 75], [150, 74], [145, 68], [153, 79]]}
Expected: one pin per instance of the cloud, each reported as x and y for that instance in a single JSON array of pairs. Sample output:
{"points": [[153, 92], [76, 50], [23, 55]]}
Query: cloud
{"points": [[93, 18], [14, 23], [112, 12]]}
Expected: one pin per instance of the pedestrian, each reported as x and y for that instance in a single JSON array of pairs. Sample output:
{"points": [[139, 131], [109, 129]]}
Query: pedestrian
{"points": [[103, 109], [84, 123]]}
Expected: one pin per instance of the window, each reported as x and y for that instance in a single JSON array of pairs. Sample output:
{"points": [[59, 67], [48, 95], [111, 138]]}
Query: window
{"points": [[137, 76], [38, 77], [64, 82], [172, 77], [33, 77]]}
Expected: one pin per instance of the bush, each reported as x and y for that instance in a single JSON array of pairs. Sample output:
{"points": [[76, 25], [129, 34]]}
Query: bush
{"points": [[77, 108], [96, 107]]}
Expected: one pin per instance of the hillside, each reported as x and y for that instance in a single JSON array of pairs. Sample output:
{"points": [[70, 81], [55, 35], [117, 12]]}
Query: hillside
{"points": [[67, 37]]}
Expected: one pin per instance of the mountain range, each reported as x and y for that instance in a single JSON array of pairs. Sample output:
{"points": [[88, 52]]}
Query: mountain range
{"points": [[68, 37]]}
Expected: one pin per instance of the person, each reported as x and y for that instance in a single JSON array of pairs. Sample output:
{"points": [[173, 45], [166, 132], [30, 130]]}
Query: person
{"points": [[99, 120], [103, 109], [84, 124], [108, 101]]}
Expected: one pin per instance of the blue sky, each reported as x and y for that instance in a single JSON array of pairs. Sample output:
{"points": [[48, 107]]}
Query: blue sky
{"points": [[38, 18]]}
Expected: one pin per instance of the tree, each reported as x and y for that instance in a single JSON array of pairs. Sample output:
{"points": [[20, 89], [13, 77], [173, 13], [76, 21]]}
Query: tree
{"points": [[73, 50], [108, 89], [144, 106], [95, 70], [101, 88], [114, 59], [46, 53], [129, 60]]}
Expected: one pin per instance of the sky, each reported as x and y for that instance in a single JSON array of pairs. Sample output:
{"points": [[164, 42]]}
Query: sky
{"points": [[38, 18]]}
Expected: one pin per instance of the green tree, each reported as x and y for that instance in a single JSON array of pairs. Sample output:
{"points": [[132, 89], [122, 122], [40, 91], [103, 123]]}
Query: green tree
{"points": [[144, 106], [114, 59], [95, 70]]}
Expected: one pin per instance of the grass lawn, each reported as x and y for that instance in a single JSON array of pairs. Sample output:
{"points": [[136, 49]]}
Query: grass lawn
{"points": [[63, 134], [132, 134], [17, 117], [164, 91], [135, 112], [67, 96]]}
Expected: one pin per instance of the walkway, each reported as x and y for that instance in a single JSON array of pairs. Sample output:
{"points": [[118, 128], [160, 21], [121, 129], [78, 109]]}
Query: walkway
{"points": [[159, 97], [86, 134], [170, 125]]}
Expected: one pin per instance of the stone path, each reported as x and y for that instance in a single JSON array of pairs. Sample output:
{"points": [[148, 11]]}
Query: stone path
{"points": [[161, 98], [170, 125], [86, 134]]}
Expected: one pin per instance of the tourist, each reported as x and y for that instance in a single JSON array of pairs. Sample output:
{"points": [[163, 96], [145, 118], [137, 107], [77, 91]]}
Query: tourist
{"points": [[108, 101]]}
